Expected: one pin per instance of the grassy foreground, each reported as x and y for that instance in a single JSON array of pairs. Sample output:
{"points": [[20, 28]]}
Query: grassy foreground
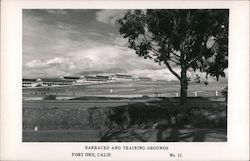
{"points": [[154, 119]]}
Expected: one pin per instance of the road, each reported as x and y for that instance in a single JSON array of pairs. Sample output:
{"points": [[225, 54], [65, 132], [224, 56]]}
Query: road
{"points": [[148, 135]]}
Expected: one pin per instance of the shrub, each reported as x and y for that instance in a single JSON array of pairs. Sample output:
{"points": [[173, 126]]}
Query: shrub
{"points": [[145, 97], [224, 92], [49, 97]]}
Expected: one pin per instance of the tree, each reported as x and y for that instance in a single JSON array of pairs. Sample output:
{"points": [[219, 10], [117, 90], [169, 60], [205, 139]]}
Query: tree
{"points": [[182, 39]]}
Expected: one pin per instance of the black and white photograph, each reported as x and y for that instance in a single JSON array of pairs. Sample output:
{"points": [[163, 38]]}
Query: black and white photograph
{"points": [[124, 80], [125, 75]]}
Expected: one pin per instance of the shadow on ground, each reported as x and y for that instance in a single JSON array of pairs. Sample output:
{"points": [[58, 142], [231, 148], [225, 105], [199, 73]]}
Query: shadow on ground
{"points": [[153, 120], [168, 135]]}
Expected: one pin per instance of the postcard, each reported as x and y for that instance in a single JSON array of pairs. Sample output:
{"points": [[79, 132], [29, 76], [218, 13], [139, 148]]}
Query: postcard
{"points": [[117, 80]]}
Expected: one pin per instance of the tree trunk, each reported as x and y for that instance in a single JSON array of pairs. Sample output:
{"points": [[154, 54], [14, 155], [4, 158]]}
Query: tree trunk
{"points": [[184, 85]]}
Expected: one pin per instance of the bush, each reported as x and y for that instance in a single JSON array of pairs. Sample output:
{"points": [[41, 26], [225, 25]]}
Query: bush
{"points": [[145, 97], [49, 97], [224, 92]]}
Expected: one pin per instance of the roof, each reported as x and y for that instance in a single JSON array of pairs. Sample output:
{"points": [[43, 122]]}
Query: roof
{"points": [[54, 80], [101, 76], [145, 78], [96, 78], [123, 75], [26, 79], [66, 77]]}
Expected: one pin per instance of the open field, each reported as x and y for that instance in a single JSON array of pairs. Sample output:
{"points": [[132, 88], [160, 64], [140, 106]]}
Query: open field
{"points": [[126, 89]]}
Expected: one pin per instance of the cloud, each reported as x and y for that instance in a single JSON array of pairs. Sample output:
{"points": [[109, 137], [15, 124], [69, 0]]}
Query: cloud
{"points": [[105, 60], [101, 59], [120, 41], [95, 34], [157, 74], [55, 46], [56, 66], [44, 63], [57, 11], [35, 63], [110, 16], [165, 74]]}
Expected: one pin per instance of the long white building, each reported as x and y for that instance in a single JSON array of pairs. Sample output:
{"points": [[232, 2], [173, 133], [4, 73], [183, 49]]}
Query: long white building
{"points": [[82, 80]]}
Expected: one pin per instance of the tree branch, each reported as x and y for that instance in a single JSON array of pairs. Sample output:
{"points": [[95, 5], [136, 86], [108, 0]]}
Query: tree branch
{"points": [[154, 50], [166, 62], [175, 54], [177, 63], [149, 44], [171, 70], [189, 63]]}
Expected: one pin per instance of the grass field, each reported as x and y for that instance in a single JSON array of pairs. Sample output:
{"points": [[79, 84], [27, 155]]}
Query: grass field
{"points": [[128, 89]]}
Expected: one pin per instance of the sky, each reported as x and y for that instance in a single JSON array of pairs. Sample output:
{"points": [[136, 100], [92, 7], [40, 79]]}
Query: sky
{"points": [[80, 42]]}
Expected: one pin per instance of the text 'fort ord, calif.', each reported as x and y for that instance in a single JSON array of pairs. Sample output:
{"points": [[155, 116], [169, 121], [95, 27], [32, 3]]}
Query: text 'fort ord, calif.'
{"points": [[106, 151]]}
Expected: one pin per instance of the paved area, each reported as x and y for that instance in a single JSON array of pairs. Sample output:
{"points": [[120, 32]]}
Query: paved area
{"points": [[142, 135]]}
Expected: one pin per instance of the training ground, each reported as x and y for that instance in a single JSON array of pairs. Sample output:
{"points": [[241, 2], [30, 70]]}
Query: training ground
{"points": [[125, 112]]}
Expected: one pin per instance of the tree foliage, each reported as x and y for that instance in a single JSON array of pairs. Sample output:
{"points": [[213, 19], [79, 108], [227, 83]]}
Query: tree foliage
{"points": [[162, 35], [189, 38]]}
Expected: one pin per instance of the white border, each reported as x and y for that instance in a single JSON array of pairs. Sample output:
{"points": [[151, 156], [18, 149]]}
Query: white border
{"points": [[12, 148]]}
